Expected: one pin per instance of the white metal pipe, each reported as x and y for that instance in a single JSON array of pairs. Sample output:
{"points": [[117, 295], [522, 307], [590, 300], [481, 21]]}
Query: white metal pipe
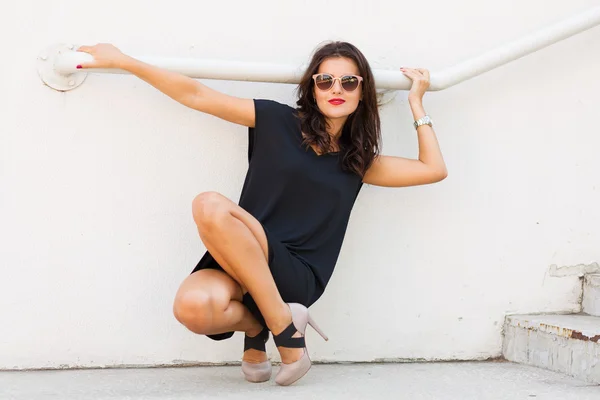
{"points": [[517, 49], [63, 75]]}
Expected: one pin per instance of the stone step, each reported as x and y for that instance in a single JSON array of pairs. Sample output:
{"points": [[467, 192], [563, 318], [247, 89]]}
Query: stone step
{"points": [[591, 294], [562, 343]]}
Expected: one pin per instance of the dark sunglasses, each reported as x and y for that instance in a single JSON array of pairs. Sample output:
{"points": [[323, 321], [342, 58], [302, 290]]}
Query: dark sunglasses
{"points": [[325, 82]]}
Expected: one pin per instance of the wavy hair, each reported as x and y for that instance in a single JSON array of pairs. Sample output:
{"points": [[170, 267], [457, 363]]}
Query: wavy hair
{"points": [[360, 140]]}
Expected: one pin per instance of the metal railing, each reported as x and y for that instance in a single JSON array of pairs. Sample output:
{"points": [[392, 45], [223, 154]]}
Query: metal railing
{"points": [[57, 64]]}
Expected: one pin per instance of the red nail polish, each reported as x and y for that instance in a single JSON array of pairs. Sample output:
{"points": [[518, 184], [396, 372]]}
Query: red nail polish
{"points": [[79, 67]]}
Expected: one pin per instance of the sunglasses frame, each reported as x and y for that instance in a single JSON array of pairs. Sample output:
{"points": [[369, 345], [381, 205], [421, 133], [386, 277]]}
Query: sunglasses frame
{"points": [[360, 79]]}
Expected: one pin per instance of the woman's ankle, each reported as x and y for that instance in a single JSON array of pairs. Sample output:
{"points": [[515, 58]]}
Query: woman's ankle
{"points": [[281, 322], [254, 356], [254, 330]]}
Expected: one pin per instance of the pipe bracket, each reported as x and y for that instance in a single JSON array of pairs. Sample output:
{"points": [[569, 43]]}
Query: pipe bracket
{"points": [[46, 67]]}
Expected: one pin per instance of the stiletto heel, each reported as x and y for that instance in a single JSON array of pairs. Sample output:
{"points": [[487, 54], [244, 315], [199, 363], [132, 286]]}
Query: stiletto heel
{"points": [[312, 323], [290, 373], [260, 372]]}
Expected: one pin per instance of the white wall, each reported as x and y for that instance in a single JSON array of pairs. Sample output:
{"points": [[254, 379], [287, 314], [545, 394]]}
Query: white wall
{"points": [[97, 183]]}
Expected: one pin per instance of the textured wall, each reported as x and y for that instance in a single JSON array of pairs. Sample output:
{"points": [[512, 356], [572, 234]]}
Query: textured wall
{"points": [[96, 184]]}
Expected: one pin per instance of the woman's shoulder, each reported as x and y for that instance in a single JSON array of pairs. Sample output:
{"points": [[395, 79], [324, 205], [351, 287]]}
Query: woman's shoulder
{"points": [[275, 115], [270, 105]]}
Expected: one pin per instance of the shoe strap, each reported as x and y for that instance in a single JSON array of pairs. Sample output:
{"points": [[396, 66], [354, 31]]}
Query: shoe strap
{"points": [[257, 342], [285, 339]]}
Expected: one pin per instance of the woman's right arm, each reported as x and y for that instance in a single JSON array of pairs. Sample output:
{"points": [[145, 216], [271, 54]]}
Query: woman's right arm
{"points": [[180, 88]]}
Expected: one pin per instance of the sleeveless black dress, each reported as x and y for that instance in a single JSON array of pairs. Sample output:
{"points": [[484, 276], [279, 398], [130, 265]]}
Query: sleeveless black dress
{"points": [[303, 201]]}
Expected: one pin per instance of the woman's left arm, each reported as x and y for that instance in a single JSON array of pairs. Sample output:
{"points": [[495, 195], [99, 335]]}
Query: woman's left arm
{"points": [[394, 171]]}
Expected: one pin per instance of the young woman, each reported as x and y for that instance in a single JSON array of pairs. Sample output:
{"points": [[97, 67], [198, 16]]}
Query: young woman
{"points": [[271, 256]]}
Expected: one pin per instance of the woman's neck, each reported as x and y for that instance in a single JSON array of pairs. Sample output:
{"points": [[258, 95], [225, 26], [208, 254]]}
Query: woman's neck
{"points": [[334, 127]]}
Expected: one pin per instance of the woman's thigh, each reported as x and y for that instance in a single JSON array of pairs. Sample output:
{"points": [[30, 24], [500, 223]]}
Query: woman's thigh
{"points": [[208, 207]]}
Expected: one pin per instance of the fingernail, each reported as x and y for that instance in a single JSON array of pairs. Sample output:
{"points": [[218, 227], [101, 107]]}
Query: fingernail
{"points": [[79, 67]]}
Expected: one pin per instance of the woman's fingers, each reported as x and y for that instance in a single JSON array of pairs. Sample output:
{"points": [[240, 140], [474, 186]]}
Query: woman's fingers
{"points": [[85, 49], [410, 73], [86, 65], [105, 55], [424, 71], [420, 81], [88, 50], [416, 73]]}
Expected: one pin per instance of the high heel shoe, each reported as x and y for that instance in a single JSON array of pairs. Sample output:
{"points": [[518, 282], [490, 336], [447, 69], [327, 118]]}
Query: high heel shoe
{"points": [[290, 373], [260, 372]]}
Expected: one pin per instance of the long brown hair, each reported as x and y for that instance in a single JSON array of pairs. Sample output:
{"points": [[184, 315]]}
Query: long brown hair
{"points": [[360, 140]]}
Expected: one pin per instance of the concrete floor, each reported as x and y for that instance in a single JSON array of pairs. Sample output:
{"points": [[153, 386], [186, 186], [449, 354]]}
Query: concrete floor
{"points": [[440, 381]]}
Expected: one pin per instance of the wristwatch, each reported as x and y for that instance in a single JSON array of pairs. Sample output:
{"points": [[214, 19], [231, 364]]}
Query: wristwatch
{"points": [[426, 120]]}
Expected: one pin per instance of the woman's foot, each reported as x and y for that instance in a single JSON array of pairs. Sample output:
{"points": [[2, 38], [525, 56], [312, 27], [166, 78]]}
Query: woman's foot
{"points": [[288, 355], [254, 356], [292, 346], [255, 365]]}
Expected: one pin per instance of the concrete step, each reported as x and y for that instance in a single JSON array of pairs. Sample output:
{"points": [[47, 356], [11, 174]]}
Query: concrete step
{"points": [[591, 294], [561, 343]]}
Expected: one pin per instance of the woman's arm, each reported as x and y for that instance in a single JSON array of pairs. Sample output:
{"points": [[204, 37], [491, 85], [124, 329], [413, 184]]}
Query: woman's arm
{"points": [[430, 167], [429, 148], [180, 88]]}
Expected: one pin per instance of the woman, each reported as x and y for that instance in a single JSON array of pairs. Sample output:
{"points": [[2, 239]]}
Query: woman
{"points": [[271, 256]]}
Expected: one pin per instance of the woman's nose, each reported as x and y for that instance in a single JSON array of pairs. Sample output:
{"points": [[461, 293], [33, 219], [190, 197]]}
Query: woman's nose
{"points": [[337, 86]]}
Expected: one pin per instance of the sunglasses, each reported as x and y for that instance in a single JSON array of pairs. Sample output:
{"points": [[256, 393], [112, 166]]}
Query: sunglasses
{"points": [[325, 82]]}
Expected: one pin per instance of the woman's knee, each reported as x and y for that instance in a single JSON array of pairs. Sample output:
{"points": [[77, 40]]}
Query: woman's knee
{"points": [[209, 208], [196, 310]]}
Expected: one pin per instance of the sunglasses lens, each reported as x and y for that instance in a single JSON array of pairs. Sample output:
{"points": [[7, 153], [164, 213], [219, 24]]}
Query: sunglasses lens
{"points": [[324, 81], [349, 83]]}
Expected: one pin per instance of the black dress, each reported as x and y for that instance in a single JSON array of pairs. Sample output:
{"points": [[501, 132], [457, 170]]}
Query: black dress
{"points": [[303, 201]]}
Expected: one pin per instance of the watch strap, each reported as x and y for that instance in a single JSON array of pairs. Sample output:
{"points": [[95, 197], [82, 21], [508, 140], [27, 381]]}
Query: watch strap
{"points": [[425, 120]]}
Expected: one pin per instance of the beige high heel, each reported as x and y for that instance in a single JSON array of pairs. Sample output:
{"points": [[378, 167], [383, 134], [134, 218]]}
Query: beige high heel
{"points": [[260, 372], [290, 373]]}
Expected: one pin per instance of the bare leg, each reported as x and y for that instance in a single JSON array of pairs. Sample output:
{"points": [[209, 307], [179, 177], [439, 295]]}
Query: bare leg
{"points": [[239, 240], [209, 302]]}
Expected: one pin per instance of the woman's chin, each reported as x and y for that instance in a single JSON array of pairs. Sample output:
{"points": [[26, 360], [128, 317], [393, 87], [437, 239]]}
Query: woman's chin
{"points": [[337, 113]]}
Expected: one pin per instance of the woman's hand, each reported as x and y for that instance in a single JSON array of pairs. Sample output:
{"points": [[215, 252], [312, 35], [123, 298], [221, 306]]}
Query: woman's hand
{"points": [[420, 82], [105, 56]]}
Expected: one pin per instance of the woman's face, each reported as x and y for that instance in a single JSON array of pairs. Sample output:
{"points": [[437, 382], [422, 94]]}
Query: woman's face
{"points": [[336, 103]]}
